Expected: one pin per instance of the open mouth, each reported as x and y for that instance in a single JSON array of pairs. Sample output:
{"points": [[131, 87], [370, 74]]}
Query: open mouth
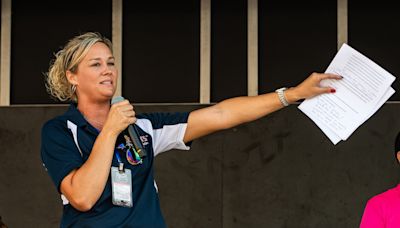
{"points": [[106, 82]]}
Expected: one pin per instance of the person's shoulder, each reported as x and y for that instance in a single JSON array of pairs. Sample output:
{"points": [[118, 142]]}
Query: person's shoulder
{"points": [[58, 123], [387, 197], [54, 121], [60, 120], [158, 120]]}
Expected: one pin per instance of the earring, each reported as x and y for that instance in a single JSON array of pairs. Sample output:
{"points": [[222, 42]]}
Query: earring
{"points": [[73, 88]]}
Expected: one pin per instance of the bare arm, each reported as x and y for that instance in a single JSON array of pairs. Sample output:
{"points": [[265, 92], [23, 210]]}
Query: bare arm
{"points": [[238, 110], [83, 186]]}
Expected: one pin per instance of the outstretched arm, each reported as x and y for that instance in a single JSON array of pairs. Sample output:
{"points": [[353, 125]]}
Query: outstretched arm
{"points": [[238, 110]]}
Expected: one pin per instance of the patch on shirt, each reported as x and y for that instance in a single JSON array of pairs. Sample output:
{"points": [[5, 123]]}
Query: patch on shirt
{"points": [[144, 139]]}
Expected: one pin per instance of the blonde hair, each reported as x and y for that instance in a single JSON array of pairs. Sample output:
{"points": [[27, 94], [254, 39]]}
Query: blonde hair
{"points": [[68, 59]]}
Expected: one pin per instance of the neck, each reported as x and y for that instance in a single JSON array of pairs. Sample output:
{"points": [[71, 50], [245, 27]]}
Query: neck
{"points": [[95, 113]]}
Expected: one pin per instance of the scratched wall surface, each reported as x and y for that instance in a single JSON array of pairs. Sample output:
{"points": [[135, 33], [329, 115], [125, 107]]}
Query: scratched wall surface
{"points": [[279, 171]]}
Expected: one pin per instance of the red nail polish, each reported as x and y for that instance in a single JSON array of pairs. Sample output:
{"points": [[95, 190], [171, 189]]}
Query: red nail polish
{"points": [[333, 90]]}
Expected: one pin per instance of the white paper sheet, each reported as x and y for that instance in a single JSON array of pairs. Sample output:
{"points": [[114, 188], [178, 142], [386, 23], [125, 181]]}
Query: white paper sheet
{"points": [[365, 87]]}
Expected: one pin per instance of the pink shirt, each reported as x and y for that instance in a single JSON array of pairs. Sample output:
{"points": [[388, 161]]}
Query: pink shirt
{"points": [[383, 210]]}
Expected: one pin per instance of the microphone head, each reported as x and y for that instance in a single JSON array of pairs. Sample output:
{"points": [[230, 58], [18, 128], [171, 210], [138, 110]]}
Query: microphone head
{"points": [[117, 99]]}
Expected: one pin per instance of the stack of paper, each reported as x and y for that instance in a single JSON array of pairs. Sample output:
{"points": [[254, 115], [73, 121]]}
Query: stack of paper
{"points": [[365, 87]]}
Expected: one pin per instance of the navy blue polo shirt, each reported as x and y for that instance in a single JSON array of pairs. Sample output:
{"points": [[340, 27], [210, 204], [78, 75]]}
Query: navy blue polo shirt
{"points": [[67, 141]]}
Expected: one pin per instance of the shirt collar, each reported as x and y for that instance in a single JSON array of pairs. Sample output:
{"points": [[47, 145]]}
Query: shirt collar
{"points": [[75, 115]]}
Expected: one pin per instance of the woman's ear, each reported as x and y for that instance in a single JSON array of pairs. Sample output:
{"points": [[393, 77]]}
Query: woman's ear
{"points": [[71, 77], [398, 156]]}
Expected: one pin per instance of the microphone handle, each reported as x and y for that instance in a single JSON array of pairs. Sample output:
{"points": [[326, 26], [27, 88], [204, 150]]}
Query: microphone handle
{"points": [[134, 134]]}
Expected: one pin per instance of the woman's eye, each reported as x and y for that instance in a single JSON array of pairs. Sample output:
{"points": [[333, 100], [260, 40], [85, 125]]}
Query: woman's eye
{"points": [[111, 63], [96, 64]]}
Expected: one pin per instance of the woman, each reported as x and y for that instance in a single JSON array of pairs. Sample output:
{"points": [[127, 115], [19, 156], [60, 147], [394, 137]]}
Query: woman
{"points": [[383, 210], [79, 147]]}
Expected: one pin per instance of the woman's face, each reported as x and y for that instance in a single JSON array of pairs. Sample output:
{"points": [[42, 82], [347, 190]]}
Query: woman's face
{"points": [[96, 76]]}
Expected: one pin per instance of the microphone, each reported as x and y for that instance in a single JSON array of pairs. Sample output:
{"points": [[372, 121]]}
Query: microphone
{"points": [[133, 132]]}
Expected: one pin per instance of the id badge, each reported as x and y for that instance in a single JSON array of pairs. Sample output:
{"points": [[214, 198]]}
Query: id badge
{"points": [[121, 183]]}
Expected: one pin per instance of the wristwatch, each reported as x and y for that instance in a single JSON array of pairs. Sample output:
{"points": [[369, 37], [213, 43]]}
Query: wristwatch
{"points": [[281, 96]]}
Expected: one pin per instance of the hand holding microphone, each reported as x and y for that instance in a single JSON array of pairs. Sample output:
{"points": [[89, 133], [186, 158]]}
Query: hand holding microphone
{"points": [[133, 132]]}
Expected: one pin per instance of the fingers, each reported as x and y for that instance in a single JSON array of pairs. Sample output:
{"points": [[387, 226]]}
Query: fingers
{"points": [[132, 120], [125, 111], [121, 103], [312, 85], [328, 90], [121, 115], [322, 90], [329, 76], [324, 76], [124, 105]]}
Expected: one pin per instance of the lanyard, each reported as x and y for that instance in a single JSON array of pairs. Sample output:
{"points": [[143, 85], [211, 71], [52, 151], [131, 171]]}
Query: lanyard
{"points": [[131, 154], [120, 163]]}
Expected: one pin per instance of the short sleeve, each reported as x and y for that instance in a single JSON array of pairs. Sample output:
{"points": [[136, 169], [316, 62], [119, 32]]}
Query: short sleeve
{"points": [[373, 215], [168, 130], [59, 153]]}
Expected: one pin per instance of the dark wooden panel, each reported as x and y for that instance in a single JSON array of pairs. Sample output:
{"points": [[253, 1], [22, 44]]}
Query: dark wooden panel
{"points": [[161, 51], [41, 28], [374, 31], [279, 171], [228, 49], [282, 171], [296, 38]]}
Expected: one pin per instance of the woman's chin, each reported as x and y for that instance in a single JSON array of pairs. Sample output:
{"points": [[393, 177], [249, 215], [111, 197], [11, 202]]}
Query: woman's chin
{"points": [[108, 93]]}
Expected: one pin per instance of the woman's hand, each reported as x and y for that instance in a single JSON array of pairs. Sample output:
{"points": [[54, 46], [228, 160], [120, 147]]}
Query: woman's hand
{"points": [[83, 186], [121, 115], [310, 87]]}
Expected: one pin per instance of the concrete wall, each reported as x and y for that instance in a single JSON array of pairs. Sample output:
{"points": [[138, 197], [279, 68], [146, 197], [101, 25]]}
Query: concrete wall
{"points": [[279, 171]]}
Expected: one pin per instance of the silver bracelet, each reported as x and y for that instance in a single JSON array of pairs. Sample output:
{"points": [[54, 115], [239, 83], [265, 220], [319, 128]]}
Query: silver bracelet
{"points": [[281, 96]]}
